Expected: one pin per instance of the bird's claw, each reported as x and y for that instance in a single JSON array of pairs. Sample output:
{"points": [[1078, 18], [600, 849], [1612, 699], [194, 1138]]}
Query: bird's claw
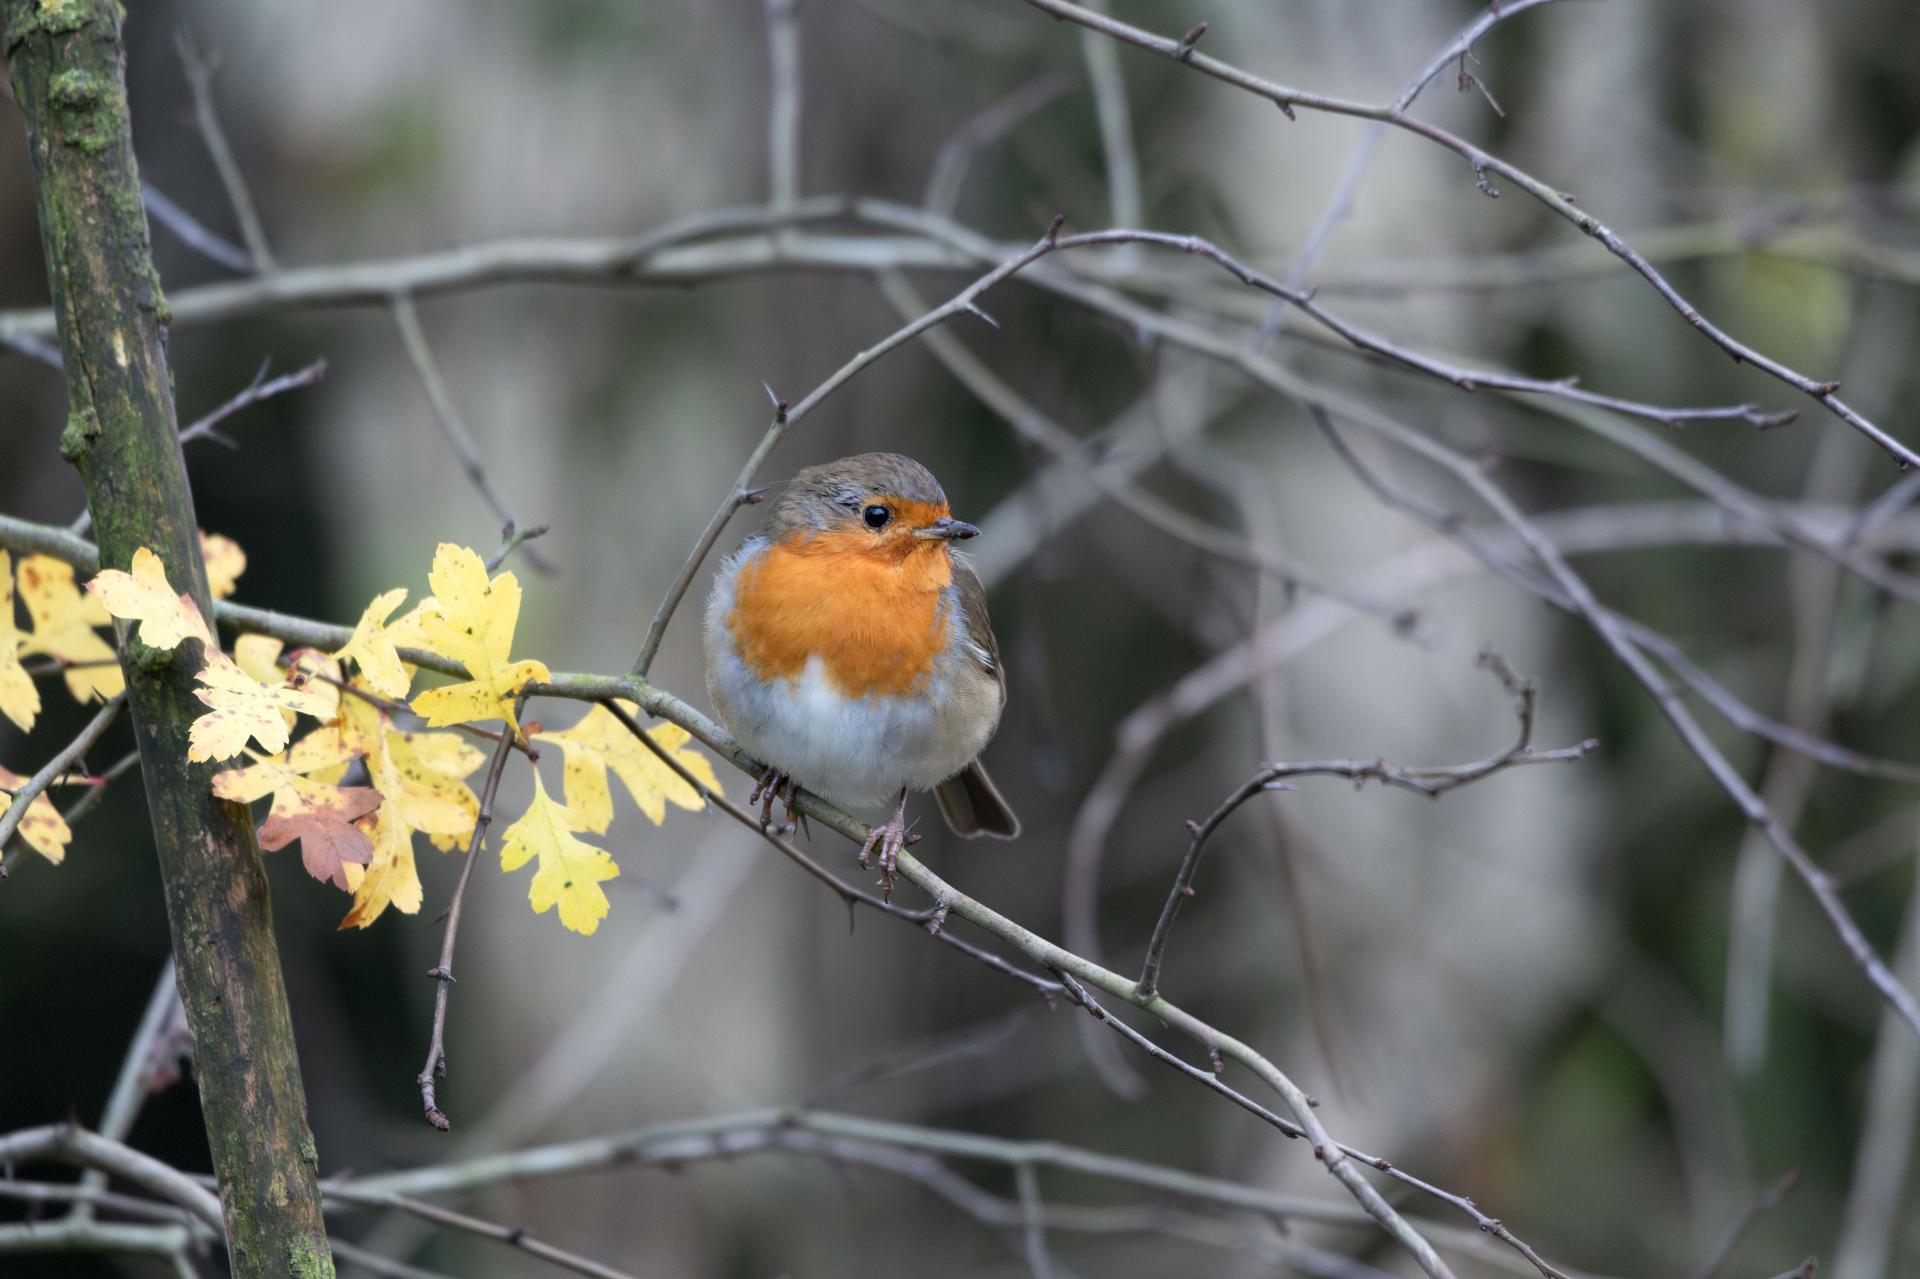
{"points": [[891, 838], [773, 784]]}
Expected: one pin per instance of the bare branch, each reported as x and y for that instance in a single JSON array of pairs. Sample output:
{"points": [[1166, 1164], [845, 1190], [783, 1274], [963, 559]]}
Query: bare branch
{"points": [[199, 72], [1433, 782], [783, 112], [1349, 185], [955, 157], [513, 1236], [447, 414], [1560, 202], [1766, 1203], [442, 973], [58, 766], [194, 233]]}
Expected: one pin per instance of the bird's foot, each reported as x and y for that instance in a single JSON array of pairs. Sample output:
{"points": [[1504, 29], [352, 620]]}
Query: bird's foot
{"points": [[890, 838], [773, 784]]}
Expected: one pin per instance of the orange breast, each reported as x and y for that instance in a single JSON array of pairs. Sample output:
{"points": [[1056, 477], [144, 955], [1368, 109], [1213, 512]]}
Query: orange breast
{"points": [[875, 618]]}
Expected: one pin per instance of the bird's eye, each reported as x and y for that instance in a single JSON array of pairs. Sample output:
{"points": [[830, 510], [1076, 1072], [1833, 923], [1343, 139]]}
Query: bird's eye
{"points": [[876, 516]]}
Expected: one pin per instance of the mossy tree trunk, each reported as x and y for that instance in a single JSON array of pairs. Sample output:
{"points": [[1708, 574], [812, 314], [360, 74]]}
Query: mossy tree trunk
{"points": [[68, 75]]}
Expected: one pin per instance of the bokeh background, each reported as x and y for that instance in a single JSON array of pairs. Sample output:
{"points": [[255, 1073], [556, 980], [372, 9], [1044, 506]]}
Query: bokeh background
{"points": [[1520, 992]]}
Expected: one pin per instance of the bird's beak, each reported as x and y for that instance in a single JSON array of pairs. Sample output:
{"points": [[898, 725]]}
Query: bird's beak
{"points": [[947, 530]]}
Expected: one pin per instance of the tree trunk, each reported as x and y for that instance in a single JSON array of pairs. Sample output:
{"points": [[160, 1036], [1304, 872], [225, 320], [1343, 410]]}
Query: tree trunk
{"points": [[69, 79]]}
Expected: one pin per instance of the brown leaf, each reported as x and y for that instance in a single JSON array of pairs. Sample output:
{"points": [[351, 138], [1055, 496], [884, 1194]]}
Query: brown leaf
{"points": [[321, 817]]}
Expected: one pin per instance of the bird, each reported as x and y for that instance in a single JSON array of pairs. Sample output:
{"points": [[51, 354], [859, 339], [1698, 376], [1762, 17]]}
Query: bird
{"points": [[848, 650]]}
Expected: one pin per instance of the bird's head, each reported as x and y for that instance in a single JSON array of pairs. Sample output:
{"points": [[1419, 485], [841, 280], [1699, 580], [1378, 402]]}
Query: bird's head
{"points": [[878, 505]]}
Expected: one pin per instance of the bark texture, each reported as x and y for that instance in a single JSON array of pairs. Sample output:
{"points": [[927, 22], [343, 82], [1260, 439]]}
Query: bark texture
{"points": [[67, 70]]}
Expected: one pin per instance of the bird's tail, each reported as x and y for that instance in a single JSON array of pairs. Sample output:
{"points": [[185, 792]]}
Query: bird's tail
{"points": [[972, 806]]}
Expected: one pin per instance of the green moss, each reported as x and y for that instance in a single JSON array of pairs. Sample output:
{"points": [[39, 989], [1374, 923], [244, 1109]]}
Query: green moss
{"points": [[74, 88], [309, 1259], [54, 17], [83, 428]]}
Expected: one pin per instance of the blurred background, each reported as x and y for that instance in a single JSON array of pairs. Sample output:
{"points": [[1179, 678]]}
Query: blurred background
{"points": [[1573, 993]]}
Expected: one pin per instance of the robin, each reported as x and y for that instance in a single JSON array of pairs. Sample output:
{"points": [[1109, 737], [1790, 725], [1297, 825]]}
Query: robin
{"points": [[848, 649]]}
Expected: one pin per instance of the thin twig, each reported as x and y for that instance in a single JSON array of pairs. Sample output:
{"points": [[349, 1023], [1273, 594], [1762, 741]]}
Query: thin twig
{"points": [[58, 766], [257, 391], [199, 72], [447, 415], [1349, 185], [1618, 639], [1560, 202], [513, 1236], [1037, 428], [831, 1136], [954, 159], [1766, 1203], [1432, 782], [194, 233], [784, 103], [134, 1085], [1033, 1210], [207, 427], [442, 973], [1125, 205], [512, 540]]}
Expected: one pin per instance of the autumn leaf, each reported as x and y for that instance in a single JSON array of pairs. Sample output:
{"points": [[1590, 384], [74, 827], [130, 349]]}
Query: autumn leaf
{"points": [[19, 699], [145, 596], [471, 621], [43, 829], [319, 815], [225, 563], [600, 742], [421, 779], [389, 878], [372, 646], [243, 708], [63, 620], [312, 670], [570, 871], [421, 774]]}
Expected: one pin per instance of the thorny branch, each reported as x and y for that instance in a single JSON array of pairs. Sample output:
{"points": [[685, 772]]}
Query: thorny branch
{"points": [[1561, 203], [1433, 782], [442, 973]]}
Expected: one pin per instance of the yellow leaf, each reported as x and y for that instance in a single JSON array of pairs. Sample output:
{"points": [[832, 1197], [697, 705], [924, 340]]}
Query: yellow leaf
{"points": [[259, 656], [19, 699], [422, 774], [471, 621], [63, 620], [243, 708], [225, 563], [600, 742], [145, 596], [44, 830], [389, 878], [314, 755], [372, 647], [570, 871]]}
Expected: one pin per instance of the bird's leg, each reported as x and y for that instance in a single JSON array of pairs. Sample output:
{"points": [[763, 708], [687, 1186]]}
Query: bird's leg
{"points": [[795, 821], [891, 838], [766, 790]]}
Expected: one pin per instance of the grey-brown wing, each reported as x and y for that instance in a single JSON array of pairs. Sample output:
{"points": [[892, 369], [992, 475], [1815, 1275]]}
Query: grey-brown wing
{"points": [[973, 602]]}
